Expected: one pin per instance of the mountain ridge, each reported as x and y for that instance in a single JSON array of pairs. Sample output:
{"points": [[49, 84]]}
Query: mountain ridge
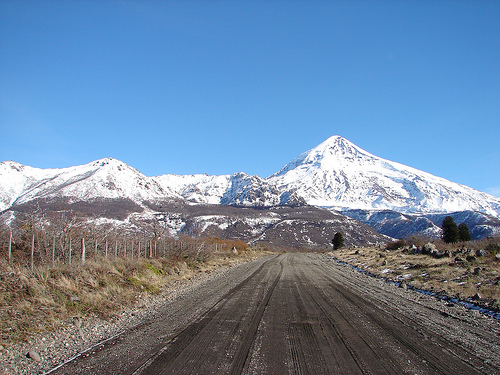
{"points": [[337, 176]]}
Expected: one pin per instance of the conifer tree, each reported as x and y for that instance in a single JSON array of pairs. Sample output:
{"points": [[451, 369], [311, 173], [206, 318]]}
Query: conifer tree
{"points": [[338, 241], [450, 230], [464, 233]]}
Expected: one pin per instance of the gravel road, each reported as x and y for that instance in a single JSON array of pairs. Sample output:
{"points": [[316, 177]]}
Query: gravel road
{"points": [[300, 313]]}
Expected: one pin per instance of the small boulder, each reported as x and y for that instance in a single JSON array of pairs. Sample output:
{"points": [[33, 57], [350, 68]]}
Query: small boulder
{"points": [[477, 270], [482, 253], [471, 258], [438, 254], [476, 297], [34, 356], [459, 260], [429, 248]]}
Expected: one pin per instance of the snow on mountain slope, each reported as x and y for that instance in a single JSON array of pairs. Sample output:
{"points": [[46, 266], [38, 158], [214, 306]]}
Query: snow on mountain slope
{"points": [[341, 175], [335, 174], [199, 188], [399, 225], [105, 178], [254, 191], [16, 178], [239, 189]]}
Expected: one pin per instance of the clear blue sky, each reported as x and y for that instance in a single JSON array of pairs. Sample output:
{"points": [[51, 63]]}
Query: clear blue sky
{"points": [[220, 87]]}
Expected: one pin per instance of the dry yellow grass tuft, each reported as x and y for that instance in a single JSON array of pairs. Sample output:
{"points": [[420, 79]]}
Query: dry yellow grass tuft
{"points": [[45, 297]]}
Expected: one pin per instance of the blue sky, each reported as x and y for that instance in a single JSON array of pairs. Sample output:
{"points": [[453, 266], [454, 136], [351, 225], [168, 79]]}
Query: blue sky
{"points": [[220, 87]]}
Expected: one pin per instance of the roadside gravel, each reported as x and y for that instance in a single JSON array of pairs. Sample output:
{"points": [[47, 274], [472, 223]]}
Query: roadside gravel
{"points": [[44, 351]]}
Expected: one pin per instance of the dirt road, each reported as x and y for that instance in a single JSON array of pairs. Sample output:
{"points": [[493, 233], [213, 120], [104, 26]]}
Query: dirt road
{"points": [[301, 314]]}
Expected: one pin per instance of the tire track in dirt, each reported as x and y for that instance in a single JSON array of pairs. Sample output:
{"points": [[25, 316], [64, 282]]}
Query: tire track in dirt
{"points": [[227, 328], [437, 352]]}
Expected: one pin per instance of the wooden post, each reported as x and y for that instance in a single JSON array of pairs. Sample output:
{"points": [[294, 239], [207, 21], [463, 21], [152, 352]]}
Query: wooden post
{"points": [[32, 251], [10, 245], [106, 253], [69, 254], [53, 250], [83, 250]]}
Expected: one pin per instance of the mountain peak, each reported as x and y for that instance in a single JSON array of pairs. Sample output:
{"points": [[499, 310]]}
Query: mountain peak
{"points": [[337, 140], [334, 153], [339, 174], [339, 148], [10, 164], [107, 162]]}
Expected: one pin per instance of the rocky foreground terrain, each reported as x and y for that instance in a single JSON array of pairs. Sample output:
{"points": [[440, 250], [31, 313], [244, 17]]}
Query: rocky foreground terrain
{"points": [[460, 273]]}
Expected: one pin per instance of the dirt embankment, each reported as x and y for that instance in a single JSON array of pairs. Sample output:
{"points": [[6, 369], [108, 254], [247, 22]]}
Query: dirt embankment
{"points": [[464, 277]]}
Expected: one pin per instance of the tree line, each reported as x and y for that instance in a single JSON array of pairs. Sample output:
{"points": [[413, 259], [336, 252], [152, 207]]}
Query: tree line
{"points": [[454, 233]]}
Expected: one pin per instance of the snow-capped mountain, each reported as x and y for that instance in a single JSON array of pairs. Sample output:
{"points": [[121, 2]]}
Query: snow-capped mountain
{"points": [[395, 199], [335, 174], [340, 175], [239, 189], [106, 178]]}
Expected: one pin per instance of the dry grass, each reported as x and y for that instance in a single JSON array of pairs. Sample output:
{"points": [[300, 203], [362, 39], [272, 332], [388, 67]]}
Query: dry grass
{"points": [[460, 279], [42, 299]]}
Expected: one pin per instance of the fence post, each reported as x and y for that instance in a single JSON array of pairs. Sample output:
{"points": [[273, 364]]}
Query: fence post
{"points": [[10, 245], [69, 255], [83, 250], [32, 251], [53, 250]]}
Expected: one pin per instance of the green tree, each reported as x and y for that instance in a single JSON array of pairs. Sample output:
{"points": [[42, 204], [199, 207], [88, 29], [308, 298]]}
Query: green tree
{"points": [[464, 233], [338, 241], [450, 230]]}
